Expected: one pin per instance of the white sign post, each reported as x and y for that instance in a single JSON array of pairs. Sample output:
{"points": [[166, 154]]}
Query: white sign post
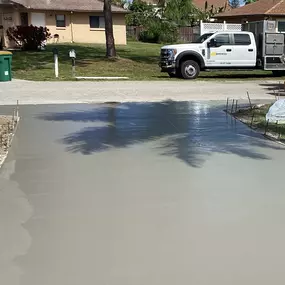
{"points": [[72, 55], [55, 54]]}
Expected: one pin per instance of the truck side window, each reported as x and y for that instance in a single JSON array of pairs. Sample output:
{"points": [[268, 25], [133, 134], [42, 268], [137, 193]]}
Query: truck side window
{"points": [[222, 40], [281, 26], [242, 40]]}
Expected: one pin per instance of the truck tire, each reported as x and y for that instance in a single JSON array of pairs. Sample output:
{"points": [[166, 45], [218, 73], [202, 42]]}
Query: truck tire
{"points": [[172, 74], [190, 69], [175, 74], [278, 73]]}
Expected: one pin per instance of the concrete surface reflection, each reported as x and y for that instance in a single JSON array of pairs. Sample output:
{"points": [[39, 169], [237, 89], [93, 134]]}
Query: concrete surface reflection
{"points": [[189, 131]]}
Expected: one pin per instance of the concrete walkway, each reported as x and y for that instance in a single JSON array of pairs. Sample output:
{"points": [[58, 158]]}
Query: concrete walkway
{"points": [[136, 91]]}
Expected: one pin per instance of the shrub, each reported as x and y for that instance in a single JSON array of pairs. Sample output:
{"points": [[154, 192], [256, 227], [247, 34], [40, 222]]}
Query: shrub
{"points": [[29, 37], [159, 32]]}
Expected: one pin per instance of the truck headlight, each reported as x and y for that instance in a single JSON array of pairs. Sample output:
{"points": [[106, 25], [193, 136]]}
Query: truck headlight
{"points": [[172, 53]]}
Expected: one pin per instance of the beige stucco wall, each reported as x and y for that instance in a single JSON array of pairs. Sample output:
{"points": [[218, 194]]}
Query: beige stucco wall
{"points": [[9, 18], [78, 30]]}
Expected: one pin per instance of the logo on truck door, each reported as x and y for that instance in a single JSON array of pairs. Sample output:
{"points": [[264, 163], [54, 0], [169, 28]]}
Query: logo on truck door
{"points": [[213, 53]]}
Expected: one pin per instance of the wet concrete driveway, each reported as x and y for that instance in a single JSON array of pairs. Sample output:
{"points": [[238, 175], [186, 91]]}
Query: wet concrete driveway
{"points": [[140, 194]]}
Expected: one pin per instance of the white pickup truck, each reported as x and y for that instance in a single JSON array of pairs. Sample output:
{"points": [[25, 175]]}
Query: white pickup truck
{"points": [[263, 49]]}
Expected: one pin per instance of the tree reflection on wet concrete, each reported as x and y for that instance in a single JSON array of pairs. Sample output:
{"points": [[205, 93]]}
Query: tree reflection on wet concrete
{"points": [[189, 131]]}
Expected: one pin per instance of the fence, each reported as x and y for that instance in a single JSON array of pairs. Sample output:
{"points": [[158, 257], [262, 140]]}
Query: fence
{"points": [[218, 27], [186, 34], [189, 34]]}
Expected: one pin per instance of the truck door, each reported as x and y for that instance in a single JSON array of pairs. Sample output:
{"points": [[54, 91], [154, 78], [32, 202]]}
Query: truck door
{"points": [[219, 51], [243, 52]]}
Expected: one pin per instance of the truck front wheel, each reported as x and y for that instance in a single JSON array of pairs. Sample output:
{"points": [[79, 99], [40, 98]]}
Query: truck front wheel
{"points": [[175, 74], [172, 74], [190, 69]]}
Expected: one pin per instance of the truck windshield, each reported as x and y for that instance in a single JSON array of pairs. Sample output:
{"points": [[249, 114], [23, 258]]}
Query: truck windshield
{"points": [[202, 38]]}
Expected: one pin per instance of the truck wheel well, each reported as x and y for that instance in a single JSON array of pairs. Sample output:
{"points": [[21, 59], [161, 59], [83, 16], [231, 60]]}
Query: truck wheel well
{"points": [[190, 57]]}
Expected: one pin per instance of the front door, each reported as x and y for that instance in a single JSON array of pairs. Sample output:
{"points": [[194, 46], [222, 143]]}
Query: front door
{"points": [[220, 54], [38, 19]]}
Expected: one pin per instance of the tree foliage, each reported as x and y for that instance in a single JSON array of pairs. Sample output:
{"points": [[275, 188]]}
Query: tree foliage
{"points": [[28, 37], [141, 13], [180, 12], [161, 23], [249, 1]]}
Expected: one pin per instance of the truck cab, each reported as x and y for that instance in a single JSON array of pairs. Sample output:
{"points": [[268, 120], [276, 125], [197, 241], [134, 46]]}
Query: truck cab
{"points": [[220, 50]]}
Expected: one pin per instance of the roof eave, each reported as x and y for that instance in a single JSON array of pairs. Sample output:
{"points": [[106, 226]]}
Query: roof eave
{"points": [[77, 10], [239, 15]]}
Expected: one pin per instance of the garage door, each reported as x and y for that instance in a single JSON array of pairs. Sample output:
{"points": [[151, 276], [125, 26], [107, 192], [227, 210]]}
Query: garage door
{"points": [[38, 19]]}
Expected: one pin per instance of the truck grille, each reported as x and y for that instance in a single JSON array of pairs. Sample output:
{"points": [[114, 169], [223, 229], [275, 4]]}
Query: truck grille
{"points": [[164, 54]]}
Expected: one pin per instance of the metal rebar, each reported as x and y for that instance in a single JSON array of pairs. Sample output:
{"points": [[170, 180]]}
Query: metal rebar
{"points": [[227, 104], [233, 106], [276, 127], [17, 110], [250, 105], [13, 118], [236, 105], [266, 127]]}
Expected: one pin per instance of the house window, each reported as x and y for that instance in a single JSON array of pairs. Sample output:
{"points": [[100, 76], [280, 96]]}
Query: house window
{"points": [[242, 39], [60, 21], [281, 26], [222, 40], [97, 22]]}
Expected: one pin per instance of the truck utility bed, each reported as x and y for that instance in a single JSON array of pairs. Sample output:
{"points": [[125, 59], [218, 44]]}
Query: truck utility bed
{"points": [[270, 44]]}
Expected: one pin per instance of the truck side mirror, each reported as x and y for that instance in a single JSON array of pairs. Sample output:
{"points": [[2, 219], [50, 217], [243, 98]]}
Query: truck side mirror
{"points": [[212, 43]]}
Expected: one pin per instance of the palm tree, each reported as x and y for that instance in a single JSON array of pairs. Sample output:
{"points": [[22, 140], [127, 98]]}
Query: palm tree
{"points": [[110, 43]]}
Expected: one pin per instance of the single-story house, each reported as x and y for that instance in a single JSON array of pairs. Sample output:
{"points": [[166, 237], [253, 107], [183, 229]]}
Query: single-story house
{"points": [[260, 10], [201, 4], [80, 21]]}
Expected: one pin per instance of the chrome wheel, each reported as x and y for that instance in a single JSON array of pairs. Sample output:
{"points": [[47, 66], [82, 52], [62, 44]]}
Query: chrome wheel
{"points": [[190, 70]]}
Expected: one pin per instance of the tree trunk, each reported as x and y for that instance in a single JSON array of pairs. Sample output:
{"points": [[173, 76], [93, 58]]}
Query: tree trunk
{"points": [[110, 43]]}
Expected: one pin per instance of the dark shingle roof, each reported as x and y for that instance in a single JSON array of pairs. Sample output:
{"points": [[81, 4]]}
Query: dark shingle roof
{"points": [[261, 7], [215, 3]]}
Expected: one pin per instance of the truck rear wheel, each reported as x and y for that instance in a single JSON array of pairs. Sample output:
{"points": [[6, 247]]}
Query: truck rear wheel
{"points": [[190, 69], [278, 73]]}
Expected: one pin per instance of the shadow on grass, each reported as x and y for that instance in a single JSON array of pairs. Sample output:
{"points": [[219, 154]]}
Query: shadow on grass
{"points": [[190, 132], [86, 55]]}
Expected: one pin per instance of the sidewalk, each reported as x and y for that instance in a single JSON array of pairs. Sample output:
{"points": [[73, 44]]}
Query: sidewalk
{"points": [[28, 92]]}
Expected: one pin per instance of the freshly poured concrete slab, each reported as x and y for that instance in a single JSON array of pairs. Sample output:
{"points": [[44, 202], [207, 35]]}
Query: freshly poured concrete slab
{"points": [[130, 194]]}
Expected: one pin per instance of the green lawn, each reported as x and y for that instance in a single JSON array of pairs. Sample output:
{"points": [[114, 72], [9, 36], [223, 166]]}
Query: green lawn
{"points": [[138, 61]]}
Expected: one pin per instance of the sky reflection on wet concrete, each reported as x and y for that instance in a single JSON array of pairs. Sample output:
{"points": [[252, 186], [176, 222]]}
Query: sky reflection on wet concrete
{"points": [[189, 131]]}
